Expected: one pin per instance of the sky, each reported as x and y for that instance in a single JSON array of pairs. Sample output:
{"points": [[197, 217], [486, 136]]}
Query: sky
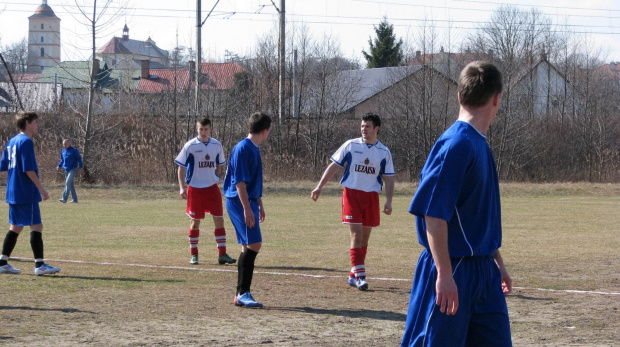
{"points": [[236, 25]]}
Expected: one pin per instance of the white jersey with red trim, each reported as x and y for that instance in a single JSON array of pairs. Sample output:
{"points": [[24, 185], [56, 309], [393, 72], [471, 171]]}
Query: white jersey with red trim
{"points": [[365, 164], [201, 160]]}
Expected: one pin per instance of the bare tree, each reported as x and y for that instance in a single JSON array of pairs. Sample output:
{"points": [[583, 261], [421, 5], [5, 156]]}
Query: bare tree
{"points": [[16, 54], [97, 19]]}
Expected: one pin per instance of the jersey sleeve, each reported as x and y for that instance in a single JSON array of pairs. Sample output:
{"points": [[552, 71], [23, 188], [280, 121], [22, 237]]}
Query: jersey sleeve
{"points": [[27, 157], [221, 157], [389, 165], [239, 162], [4, 162], [442, 179], [181, 159], [341, 154]]}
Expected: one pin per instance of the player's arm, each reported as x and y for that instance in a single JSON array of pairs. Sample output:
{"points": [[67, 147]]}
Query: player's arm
{"points": [[33, 177], [447, 294], [181, 179], [327, 176], [245, 201], [389, 193], [506, 280], [218, 170]]}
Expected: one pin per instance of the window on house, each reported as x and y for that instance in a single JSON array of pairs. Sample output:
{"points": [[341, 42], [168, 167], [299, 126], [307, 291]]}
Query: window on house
{"points": [[42, 67], [41, 25], [42, 51], [42, 40]]}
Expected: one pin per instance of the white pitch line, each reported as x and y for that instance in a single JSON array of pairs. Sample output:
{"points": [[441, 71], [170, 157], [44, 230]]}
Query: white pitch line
{"points": [[193, 268]]}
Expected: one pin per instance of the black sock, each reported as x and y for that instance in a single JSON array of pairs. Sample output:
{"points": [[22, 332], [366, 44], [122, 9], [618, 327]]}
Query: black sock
{"points": [[9, 243], [248, 270], [239, 272], [36, 242]]}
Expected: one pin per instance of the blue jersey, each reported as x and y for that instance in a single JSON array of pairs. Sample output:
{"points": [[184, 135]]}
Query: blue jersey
{"points": [[244, 165], [201, 160], [459, 184], [70, 158], [17, 158]]}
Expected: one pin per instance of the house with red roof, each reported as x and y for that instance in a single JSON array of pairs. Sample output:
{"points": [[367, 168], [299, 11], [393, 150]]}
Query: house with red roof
{"points": [[123, 53]]}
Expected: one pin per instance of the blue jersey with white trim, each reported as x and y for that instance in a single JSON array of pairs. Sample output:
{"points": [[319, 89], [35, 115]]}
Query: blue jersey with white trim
{"points": [[201, 160], [17, 158], [365, 165], [244, 165], [459, 184]]}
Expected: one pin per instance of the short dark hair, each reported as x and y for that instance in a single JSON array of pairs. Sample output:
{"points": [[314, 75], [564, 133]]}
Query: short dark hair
{"points": [[376, 121], [204, 121], [23, 117], [258, 122], [478, 83]]}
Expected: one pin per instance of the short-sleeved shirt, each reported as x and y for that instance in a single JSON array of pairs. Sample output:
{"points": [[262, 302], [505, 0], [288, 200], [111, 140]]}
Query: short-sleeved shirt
{"points": [[365, 165], [201, 160], [244, 165], [70, 158], [17, 158], [459, 184]]}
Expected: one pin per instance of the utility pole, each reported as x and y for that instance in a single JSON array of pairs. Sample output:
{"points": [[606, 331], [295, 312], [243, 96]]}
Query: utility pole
{"points": [[198, 54], [282, 60]]}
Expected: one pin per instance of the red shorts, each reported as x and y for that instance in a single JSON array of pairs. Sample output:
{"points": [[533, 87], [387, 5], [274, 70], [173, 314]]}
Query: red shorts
{"points": [[204, 200], [360, 207]]}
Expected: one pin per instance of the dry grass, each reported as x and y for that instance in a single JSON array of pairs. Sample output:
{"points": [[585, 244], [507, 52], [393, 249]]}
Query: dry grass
{"points": [[556, 236]]}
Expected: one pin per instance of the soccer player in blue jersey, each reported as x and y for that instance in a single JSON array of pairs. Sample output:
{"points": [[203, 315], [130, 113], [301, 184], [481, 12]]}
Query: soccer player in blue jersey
{"points": [[367, 164], [200, 165], [243, 189], [70, 161], [457, 297], [23, 193]]}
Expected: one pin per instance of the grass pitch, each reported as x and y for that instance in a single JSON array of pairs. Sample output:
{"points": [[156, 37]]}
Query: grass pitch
{"points": [[126, 281]]}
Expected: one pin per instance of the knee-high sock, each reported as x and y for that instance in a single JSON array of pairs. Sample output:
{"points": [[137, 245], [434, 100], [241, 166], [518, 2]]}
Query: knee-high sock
{"points": [[7, 247], [36, 242], [364, 252], [240, 264], [194, 236], [357, 262], [249, 257], [220, 240]]}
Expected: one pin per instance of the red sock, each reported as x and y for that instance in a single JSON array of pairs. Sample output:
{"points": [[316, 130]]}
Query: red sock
{"points": [[220, 240], [194, 236], [357, 262]]}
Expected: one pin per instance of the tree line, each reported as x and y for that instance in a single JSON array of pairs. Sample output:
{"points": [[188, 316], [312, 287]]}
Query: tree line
{"points": [[575, 138]]}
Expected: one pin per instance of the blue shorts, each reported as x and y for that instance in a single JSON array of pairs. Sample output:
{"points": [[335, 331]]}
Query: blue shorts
{"points": [[24, 214], [245, 235], [482, 315]]}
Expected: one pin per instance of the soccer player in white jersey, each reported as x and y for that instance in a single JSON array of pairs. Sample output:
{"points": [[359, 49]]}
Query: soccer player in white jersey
{"points": [[200, 165], [367, 163]]}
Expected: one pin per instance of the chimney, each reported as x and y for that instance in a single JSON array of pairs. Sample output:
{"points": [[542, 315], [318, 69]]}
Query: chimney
{"points": [[145, 73], [418, 54], [95, 68], [192, 70]]}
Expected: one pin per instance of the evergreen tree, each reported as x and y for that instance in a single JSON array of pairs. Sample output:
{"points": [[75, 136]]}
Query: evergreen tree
{"points": [[385, 51]]}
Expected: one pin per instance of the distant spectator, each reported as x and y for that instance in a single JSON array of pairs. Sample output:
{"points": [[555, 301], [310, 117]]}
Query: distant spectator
{"points": [[70, 161]]}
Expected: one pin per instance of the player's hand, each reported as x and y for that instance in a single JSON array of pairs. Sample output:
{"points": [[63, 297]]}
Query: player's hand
{"points": [[261, 215], [58, 168], [387, 208], [447, 294], [183, 193], [315, 193], [249, 218], [44, 194], [506, 283]]}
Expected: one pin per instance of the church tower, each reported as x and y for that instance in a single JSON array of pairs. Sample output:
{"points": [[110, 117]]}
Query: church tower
{"points": [[43, 39]]}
